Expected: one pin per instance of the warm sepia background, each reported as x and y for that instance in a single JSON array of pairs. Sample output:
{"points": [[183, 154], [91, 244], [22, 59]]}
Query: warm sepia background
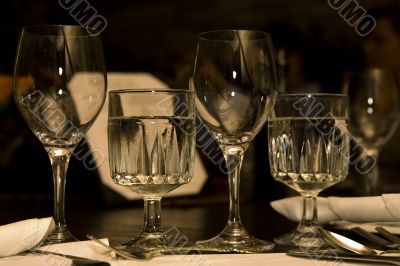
{"points": [[159, 37]]}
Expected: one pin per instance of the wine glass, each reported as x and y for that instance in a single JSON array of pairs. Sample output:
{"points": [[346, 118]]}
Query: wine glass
{"points": [[59, 86], [235, 82], [308, 144], [374, 116], [151, 140]]}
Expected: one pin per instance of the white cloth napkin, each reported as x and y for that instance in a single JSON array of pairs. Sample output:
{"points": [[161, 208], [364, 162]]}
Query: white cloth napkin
{"points": [[384, 208], [24, 235]]}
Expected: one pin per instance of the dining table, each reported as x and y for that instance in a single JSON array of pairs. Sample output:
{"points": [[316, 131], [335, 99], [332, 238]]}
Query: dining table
{"points": [[119, 223]]}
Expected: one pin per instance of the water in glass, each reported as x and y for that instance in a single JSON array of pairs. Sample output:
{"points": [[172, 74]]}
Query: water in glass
{"points": [[151, 155]]}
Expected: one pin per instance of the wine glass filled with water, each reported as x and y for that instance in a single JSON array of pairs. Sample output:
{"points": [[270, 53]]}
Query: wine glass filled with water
{"points": [[59, 86], [234, 79], [374, 116], [308, 144], [151, 138]]}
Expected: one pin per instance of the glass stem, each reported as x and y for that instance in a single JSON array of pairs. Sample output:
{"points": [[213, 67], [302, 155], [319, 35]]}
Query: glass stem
{"points": [[152, 214], [59, 158], [310, 214], [234, 158]]}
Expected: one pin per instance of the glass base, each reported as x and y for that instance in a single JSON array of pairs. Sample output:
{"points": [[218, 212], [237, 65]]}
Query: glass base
{"points": [[146, 240], [61, 234], [237, 241], [170, 241], [302, 237]]}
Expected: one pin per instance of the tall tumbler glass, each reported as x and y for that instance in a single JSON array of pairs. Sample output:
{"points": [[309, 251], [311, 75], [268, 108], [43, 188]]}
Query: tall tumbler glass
{"points": [[151, 143]]}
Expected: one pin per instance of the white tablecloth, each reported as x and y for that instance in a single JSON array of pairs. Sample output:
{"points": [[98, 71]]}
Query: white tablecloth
{"points": [[89, 249]]}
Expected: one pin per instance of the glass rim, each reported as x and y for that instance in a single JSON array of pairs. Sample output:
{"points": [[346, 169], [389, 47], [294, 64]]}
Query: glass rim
{"points": [[318, 94], [202, 35], [334, 104], [151, 90], [90, 32]]}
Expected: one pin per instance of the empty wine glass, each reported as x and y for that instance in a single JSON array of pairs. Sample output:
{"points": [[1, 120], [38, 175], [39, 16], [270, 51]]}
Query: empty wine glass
{"points": [[374, 115], [308, 144], [59, 87], [234, 79], [151, 140]]}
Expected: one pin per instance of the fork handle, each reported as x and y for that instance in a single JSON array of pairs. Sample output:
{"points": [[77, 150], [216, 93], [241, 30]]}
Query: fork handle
{"points": [[374, 239], [392, 237]]}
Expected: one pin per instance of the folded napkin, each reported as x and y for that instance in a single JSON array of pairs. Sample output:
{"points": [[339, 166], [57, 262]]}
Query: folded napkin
{"points": [[24, 235], [384, 208]]}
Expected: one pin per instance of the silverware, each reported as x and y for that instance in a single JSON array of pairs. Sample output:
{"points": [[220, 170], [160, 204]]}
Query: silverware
{"points": [[337, 256], [392, 237], [345, 244], [383, 243], [122, 253]]}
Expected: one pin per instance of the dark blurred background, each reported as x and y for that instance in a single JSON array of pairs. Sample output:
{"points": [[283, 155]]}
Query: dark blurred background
{"points": [[314, 45], [159, 36]]}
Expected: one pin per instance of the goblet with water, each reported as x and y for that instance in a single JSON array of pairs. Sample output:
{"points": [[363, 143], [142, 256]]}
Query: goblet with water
{"points": [[151, 140], [308, 144]]}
